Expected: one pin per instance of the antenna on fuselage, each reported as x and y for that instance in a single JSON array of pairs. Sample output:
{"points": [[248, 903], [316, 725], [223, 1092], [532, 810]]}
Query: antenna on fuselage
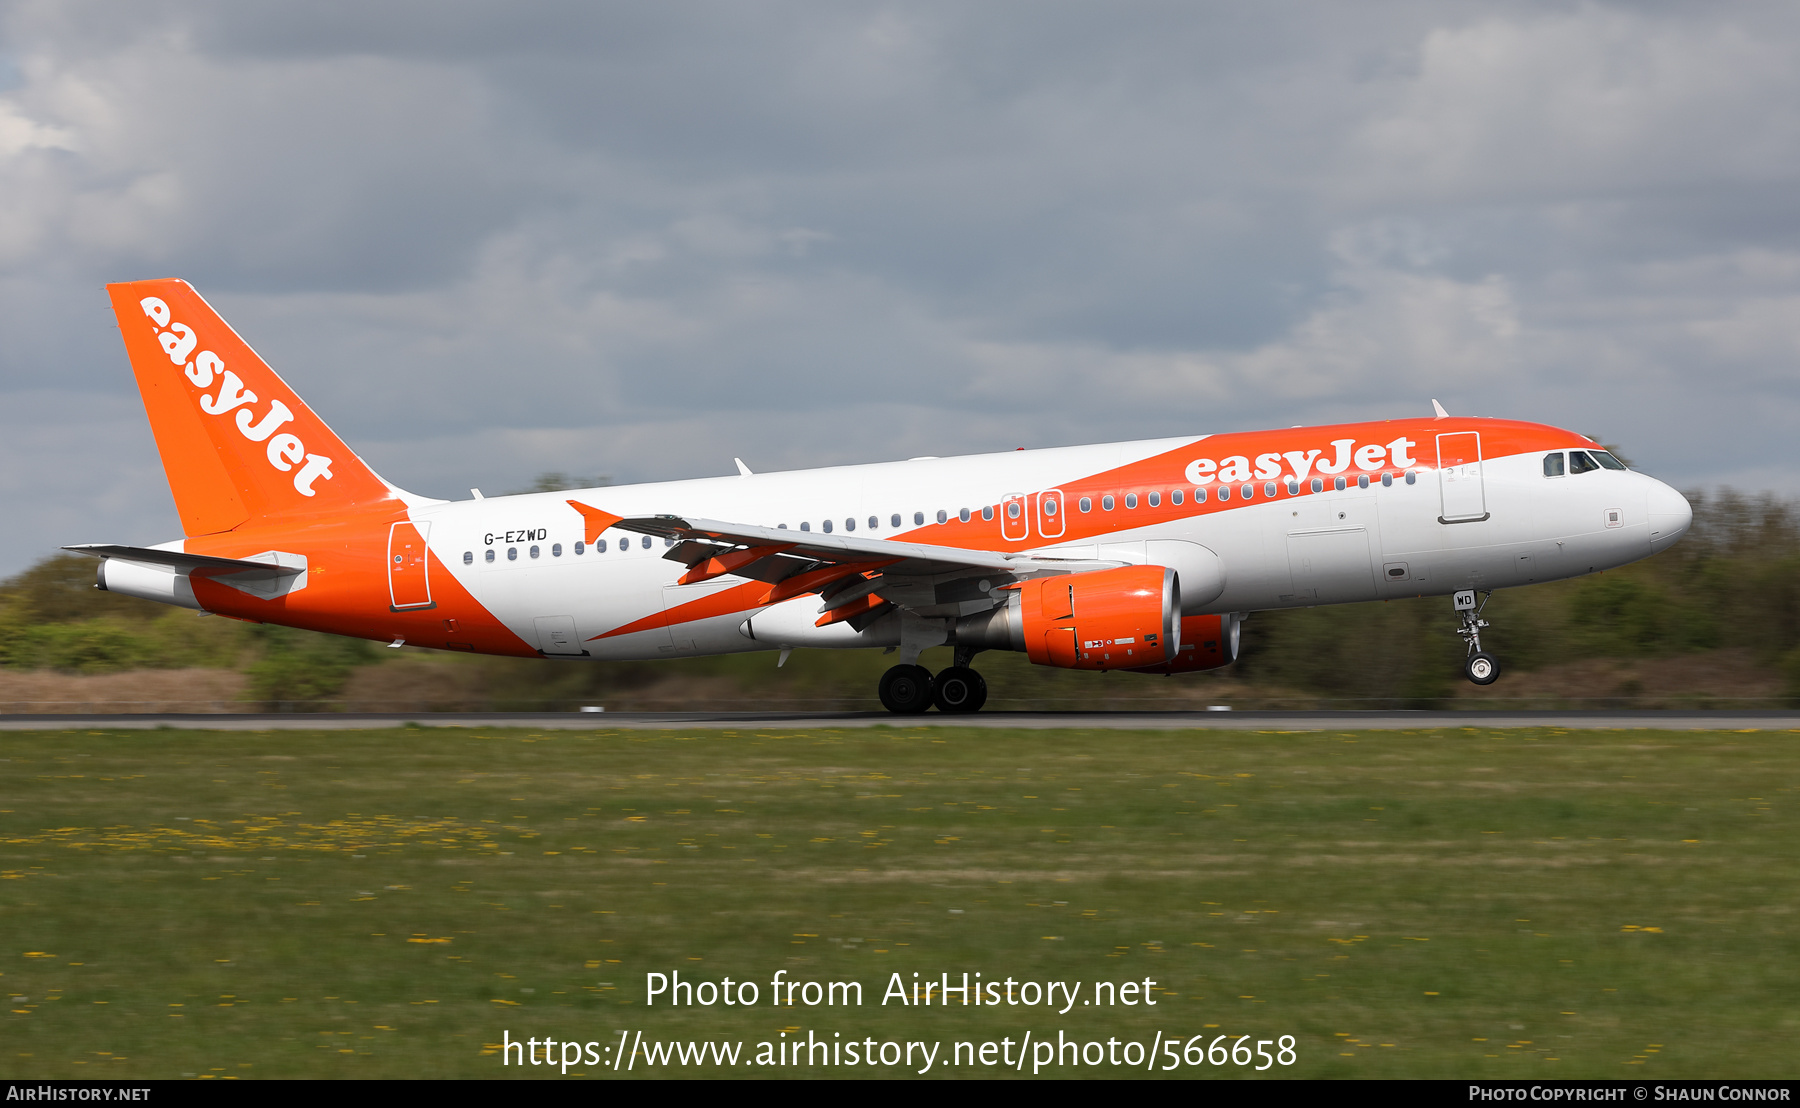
{"points": [[743, 470], [1439, 409]]}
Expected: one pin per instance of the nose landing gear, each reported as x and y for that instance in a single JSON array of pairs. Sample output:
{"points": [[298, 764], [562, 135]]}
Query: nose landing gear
{"points": [[1480, 667]]}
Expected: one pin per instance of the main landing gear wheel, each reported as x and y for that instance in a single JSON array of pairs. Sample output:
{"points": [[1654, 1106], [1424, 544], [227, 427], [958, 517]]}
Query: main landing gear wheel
{"points": [[906, 690], [1481, 668], [960, 689]]}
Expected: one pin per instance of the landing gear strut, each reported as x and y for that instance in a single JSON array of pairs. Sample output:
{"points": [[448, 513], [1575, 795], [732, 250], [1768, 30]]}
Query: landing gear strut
{"points": [[1480, 667]]}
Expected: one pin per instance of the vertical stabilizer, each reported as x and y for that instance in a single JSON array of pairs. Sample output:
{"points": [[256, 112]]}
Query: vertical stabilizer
{"points": [[236, 442]]}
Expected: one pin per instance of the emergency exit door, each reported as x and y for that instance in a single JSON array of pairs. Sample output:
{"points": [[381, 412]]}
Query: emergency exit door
{"points": [[1459, 477], [409, 574]]}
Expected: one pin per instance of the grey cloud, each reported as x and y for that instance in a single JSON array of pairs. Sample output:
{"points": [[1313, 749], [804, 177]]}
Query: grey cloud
{"points": [[484, 241]]}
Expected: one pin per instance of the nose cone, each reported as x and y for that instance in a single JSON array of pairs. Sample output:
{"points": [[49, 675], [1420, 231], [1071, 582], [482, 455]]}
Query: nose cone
{"points": [[1670, 514]]}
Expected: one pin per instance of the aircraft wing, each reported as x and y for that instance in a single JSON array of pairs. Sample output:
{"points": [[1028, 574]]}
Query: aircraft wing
{"points": [[858, 578], [900, 559]]}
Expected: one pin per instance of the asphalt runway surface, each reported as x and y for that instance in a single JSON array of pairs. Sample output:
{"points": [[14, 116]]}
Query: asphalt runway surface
{"points": [[1598, 720]]}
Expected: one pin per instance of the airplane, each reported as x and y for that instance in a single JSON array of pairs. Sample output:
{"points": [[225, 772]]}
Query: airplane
{"points": [[1143, 556]]}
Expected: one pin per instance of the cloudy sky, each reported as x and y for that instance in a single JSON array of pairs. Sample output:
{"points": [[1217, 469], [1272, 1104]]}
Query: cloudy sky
{"points": [[487, 241]]}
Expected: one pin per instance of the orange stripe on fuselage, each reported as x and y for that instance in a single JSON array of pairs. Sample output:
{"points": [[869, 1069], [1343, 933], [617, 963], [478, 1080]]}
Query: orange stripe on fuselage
{"points": [[1166, 472], [745, 597]]}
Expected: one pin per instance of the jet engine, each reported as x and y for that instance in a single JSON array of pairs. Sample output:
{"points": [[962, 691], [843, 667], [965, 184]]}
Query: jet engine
{"points": [[1122, 618], [1207, 642]]}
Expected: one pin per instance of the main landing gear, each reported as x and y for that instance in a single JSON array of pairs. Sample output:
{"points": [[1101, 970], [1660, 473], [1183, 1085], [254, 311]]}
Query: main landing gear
{"points": [[1480, 667], [910, 690]]}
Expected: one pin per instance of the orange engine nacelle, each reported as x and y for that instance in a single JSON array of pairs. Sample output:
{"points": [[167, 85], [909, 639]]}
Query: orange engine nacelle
{"points": [[1122, 618], [1207, 642]]}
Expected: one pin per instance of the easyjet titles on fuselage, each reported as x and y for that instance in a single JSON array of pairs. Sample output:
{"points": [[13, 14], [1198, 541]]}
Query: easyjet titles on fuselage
{"points": [[1369, 458]]}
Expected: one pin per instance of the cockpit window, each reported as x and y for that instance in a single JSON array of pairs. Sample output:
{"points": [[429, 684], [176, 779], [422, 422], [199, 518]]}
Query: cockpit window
{"points": [[1579, 462], [1607, 460], [1553, 464]]}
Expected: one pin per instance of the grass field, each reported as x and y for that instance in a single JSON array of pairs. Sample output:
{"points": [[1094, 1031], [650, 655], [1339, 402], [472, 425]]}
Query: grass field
{"points": [[1454, 903]]}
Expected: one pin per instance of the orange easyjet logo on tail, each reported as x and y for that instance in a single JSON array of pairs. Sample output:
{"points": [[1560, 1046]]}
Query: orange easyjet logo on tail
{"points": [[285, 451]]}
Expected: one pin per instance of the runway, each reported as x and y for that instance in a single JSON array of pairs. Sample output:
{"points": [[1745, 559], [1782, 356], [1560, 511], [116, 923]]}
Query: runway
{"points": [[1599, 720]]}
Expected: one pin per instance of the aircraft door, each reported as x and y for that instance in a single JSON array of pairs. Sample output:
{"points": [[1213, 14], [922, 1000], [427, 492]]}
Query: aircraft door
{"points": [[1015, 517], [1459, 477], [1050, 514], [409, 577]]}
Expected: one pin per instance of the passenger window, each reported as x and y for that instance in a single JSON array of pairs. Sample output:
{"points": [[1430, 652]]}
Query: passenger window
{"points": [[1362, 480], [1412, 475], [1106, 503], [875, 522], [963, 515], [825, 526], [1224, 493], [581, 548], [599, 546], [490, 557], [1131, 500], [468, 557], [1608, 460], [1085, 504], [918, 519], [534, 551], [1293, 486], [1553, 464], [943, 516], [987, 512], [512, 553], [1387, 480], [1175, 498], [1269, 488], [849, 523], [1199, 496], [1579, 462], [1337, 483], [1155, 499], [805, 526], [1318, 484], [556, 550], [646, 542]]}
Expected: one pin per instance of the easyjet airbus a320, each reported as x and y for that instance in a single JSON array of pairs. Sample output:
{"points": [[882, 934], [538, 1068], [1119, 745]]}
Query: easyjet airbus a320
{"points": [[1138, 556]]}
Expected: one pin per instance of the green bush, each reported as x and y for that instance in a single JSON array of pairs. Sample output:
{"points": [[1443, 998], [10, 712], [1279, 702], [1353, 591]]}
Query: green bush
{"points": [[295, 668]]}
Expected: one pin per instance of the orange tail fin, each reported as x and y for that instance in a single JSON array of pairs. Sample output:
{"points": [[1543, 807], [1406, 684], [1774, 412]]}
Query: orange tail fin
{"points": [[236, 442]]}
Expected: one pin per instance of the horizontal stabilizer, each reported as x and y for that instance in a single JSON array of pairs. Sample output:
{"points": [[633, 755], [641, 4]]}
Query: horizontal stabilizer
{"points": [[188, 563]]}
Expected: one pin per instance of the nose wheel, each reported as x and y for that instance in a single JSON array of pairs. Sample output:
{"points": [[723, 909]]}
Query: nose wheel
{"points": [[1479, 667]]}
